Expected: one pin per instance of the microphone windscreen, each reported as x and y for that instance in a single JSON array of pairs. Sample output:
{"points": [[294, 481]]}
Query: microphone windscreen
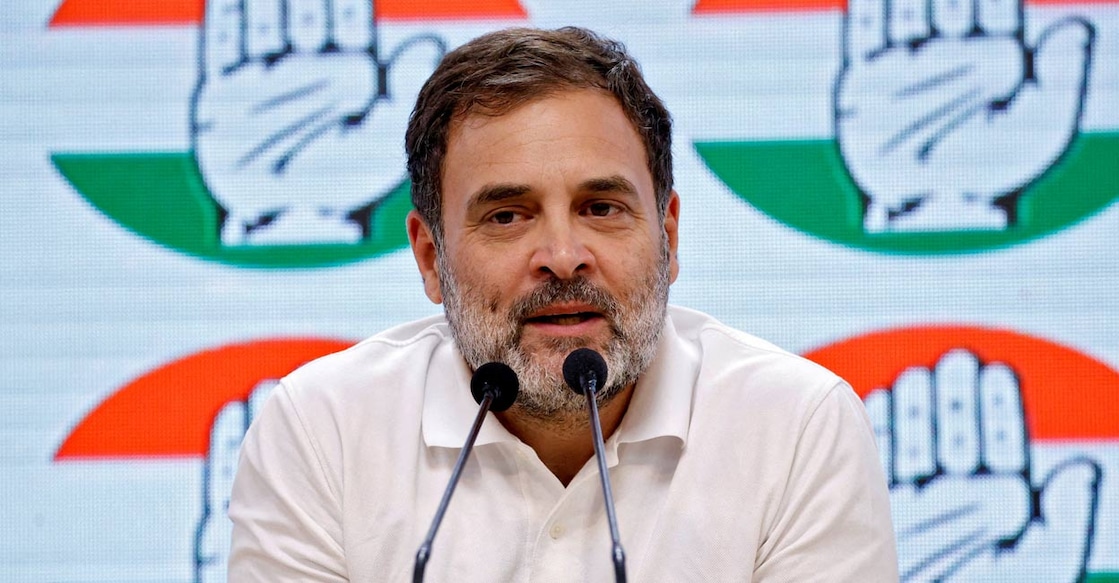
{"points": [[497, 379], [583, 363]]}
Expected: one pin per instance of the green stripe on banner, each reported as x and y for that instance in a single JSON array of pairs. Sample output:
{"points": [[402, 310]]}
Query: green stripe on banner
{"points": [[805, 185], [1102, 578], [162, 197]]}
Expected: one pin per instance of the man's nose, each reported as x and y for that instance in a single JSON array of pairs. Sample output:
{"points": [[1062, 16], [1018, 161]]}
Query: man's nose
{"points": [[561, 250]]}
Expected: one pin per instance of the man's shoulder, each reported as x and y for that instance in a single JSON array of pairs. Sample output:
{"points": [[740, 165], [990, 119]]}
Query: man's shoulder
{"points": [[700, 326], [735, 352], [383, 356], [403, 335]]}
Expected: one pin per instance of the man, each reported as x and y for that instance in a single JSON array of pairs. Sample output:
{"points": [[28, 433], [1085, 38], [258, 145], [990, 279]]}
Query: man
{"points": [[545, 221]]}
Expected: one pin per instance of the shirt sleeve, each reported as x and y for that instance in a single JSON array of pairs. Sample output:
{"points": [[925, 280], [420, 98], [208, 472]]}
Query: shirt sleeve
{"points": [[285, 509], [834, 520]]}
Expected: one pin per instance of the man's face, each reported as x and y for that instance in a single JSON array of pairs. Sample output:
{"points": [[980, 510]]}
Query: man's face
{"points": [[552, 241]]}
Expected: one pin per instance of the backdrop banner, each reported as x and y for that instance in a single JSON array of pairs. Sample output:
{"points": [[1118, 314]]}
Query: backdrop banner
{"points": [[919, 195]]}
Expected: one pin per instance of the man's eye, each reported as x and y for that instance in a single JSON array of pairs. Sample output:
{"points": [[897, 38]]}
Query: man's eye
{"points": [[601, 209], [503, 217]]}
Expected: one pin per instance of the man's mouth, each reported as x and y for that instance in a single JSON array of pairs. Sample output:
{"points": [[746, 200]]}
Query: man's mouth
{"points": [[566, 319]]}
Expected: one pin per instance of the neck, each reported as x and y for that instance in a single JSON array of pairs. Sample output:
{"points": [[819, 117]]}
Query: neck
{"points": [[564, 443]]}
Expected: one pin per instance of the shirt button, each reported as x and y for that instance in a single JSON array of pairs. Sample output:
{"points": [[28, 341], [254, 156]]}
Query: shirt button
{"points": [[556, 531]]}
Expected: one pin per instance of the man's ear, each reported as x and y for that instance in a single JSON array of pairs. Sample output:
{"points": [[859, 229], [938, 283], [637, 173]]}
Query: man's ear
{"points": [[672, 232], [423, 249]]}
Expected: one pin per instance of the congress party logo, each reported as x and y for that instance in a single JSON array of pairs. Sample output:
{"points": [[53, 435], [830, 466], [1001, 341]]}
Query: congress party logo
{"points": [[196, 407], [1001, 450], [956, 127], [296, 130]]}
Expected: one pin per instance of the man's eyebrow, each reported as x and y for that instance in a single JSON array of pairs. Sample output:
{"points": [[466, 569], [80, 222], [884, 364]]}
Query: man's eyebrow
{"points": [[614, 183], [492, 193]]}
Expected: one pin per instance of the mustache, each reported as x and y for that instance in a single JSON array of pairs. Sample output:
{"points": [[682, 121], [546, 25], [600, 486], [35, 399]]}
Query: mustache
{"points": [[577, 290]]}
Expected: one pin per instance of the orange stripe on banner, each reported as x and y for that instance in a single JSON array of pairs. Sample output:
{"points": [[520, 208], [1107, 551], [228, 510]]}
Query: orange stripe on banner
{"points": [[185, 12], [722, 6], [1067, 395], [169, 412], [127, 12], [448, 9], [730, 6]]}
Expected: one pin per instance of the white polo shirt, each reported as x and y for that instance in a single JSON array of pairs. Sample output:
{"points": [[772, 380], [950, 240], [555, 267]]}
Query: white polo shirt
{"points": [[736, 461]]}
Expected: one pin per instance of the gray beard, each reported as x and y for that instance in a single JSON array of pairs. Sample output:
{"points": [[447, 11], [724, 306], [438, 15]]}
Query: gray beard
{"points": [[484, 335]]}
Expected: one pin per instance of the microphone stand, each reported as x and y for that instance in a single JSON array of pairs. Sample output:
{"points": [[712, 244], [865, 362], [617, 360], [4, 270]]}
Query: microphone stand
{"points": [[619, 555], [424, 553]]}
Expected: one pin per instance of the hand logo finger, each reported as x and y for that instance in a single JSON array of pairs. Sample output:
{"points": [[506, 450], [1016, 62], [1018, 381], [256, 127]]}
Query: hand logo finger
{"points": [[865, 29], [914, 454], [264, 31], [225, 447], [908, 22], [222, 30], [878, 410], [1002, 420], [307, 25], [1000, 17], [957, 417], [953, 18], [353, 24]]}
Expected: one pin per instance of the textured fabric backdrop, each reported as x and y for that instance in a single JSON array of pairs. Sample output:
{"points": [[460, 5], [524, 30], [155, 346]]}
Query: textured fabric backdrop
{"points": [[918, 194]]}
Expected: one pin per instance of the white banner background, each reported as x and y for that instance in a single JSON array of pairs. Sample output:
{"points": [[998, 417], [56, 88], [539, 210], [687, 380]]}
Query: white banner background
{"points": [[90, 306]]}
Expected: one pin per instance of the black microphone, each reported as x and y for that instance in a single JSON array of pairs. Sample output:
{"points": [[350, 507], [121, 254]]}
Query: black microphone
{"points": [[494, 386], [584, 370]]}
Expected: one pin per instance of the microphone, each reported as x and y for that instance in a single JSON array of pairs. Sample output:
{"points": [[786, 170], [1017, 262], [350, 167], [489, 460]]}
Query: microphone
{"points": [[584, 370], [494, 386]]}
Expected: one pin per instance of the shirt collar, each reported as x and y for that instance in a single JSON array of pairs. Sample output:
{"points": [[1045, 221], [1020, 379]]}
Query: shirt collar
{"points": [[662, 401], [449, 408], [661, 405]]}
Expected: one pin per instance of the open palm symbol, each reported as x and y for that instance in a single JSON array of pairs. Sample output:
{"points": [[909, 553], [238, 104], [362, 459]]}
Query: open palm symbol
{"points": [[963, 493], [298, 120], [944, 114]]}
